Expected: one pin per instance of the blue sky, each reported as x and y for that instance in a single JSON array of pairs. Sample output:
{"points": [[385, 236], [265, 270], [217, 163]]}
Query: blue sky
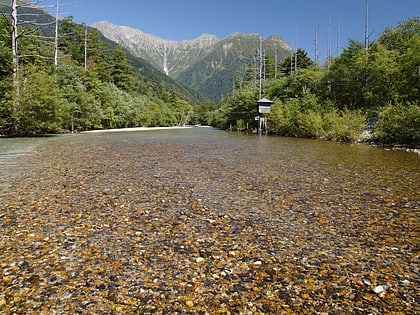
{"points": [[293, 20]]}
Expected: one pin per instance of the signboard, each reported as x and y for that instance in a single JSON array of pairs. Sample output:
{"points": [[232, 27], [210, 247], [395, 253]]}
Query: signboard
{"points": [[264, 105], [264, 108]]}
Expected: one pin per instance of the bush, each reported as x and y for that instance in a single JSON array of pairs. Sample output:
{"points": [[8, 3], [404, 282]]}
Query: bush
{"points": [[399, 124], [295, 118], [282, 120], [345, 125], [311, 124], [240, 125]]}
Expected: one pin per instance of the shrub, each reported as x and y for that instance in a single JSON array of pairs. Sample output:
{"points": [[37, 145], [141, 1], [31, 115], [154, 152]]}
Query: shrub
{"points": [[311, 124], [399, 124], [345, 125]]}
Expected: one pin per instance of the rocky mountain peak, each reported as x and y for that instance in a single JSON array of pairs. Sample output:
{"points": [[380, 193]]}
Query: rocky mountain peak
{"points": [[169, 56]]}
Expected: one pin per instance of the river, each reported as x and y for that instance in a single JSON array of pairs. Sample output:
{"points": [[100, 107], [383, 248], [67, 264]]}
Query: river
{"points": [[11, 151], [206, 221]]}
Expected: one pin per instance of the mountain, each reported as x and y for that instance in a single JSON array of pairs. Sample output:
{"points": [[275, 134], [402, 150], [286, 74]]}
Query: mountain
{"points": [[215, 75], [155, 77], [171, 57], [207, 63], [31, 14]]}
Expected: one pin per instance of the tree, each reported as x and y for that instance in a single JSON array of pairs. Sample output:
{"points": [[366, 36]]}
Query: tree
{"points": [[72, 38], [240, 105], [408, 77], [345, 80], [122, 71], [396, 37], [382, 74], [6, 68], [39, 103], [302, 62], [404, 41]]}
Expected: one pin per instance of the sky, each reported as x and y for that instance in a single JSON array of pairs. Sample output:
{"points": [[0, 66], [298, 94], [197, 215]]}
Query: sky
{"points": [[293, 20]]}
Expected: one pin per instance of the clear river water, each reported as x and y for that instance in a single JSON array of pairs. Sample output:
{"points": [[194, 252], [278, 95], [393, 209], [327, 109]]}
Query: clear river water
{"points": [[203, 221]]}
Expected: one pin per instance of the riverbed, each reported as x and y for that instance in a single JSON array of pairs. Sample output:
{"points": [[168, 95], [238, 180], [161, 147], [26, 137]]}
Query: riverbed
{"points": [[203, 221]]}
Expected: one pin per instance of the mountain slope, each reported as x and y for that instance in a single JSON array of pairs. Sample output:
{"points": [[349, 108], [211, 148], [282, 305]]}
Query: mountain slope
{"points": [[207, 63], [169, 56], [215, 74]]}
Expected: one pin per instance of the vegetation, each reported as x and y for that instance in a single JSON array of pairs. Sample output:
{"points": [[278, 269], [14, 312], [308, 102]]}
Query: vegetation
{"points": [[378, 87], [95, 83]]}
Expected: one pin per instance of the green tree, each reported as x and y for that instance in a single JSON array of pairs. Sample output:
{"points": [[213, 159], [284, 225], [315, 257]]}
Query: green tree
{"points": [[396, 37], [122, 71], [250, 73], [6, 72], [240, 105], [399, 124], [39, 103], [296, 62], [408, 79], [346, 80], [382, 76], [270, 66], [6, 68], [71, 40], [404, 41]]}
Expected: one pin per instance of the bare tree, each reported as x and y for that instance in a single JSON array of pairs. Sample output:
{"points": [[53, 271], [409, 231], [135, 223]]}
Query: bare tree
{"points": [[260, 67], [15, 60], [329, 44], [57, 13], [367, 26], [316, 41], [16, 20]]}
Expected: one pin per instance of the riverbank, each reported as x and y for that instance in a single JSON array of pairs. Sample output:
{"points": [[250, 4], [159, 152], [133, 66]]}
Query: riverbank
{"points": [[137, 129], [209, 222]]}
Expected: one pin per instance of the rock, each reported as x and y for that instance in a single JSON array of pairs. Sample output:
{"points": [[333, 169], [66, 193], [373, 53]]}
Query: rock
{"points": [[215, 276], [257, 263], [199, 260], [378, 289]]}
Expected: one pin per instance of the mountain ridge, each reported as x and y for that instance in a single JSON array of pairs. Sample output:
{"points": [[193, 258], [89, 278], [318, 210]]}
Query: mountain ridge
{"points": [[207, 63], [157, 50]]}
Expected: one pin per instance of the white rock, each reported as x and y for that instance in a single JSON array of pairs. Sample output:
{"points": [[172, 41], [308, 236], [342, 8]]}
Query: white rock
{"points": [[378, 289], [199, 260]]}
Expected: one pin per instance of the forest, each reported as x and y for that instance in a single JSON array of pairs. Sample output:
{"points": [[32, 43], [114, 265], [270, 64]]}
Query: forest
{"points": [[79, 81], [366, 94]]}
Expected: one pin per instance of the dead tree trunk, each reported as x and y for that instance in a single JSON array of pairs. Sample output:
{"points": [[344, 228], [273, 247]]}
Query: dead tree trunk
{"points": [[15, 60], [15, 64]]}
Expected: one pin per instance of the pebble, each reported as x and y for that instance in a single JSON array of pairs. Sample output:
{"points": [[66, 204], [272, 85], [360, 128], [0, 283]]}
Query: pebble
{"points": [[234, 235], [378, 289], [199, 260]]}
